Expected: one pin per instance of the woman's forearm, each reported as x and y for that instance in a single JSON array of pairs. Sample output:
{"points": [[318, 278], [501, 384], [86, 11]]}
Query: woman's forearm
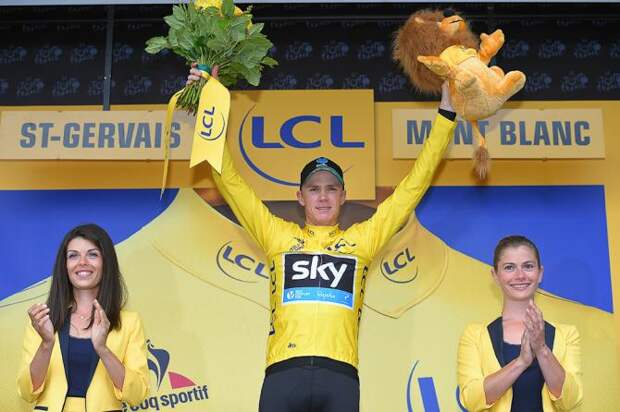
{"points": [[113, 366], [40, 364], [497, 384], [552, 371]]}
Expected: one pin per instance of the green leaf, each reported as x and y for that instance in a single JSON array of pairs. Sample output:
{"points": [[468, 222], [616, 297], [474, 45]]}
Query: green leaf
{"points": [[259, 42], [250, 59], [217, 44], [253, 76], [185, 40], [268, 61], [177, 19], [255, 28], [172, 38], [192, 14], [237, 28], [180, 12], [249, 54], [221, 31], [206, 24], [228, 78], [228, 8], [156, 44], [174, 22]]}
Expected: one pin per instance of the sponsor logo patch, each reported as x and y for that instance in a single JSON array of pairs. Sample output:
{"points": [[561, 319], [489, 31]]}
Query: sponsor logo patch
{"points": [[319, 278]]}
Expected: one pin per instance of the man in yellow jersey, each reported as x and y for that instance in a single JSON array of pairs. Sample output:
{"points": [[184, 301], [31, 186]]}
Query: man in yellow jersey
{"points": [[318, 272]]}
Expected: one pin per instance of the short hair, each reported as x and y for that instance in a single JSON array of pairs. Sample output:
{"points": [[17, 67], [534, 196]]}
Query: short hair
{"points": [[514, 241]]}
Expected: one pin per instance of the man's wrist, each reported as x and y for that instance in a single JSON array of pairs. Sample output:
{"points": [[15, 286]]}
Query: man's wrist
{"points": [[448, 114]]}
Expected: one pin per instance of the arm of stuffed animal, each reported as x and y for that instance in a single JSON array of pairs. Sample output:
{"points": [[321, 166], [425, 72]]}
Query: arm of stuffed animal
{"points": [[490, 45]]}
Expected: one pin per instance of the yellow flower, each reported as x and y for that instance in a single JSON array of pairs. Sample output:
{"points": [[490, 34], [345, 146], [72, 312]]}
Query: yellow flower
{"points": [[203, 4]]}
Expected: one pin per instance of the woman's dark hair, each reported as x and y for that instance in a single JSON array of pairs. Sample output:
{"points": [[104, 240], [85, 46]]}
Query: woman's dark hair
{"points": [[514, 241], [112, 291]]}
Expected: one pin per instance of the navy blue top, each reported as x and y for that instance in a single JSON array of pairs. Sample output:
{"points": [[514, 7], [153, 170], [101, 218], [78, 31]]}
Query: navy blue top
{"points": [[81, 353], [526, 390]]}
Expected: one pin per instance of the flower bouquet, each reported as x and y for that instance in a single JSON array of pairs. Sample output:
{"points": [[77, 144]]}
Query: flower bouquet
{"points": [[215, 32]]}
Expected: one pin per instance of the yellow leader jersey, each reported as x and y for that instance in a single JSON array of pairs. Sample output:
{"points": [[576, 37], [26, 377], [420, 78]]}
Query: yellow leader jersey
{"points": [[317, 273]]}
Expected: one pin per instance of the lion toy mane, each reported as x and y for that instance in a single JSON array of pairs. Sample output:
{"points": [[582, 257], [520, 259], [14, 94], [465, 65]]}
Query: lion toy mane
{"points": [[434, 46]]}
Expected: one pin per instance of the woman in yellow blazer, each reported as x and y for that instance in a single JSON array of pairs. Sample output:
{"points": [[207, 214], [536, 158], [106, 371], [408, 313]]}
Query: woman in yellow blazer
{"points": [[519, 362], [81, 351]]}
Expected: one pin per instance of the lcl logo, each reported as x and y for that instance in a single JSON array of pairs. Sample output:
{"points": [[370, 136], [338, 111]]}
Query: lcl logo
{"points": [[321, 126], [398, 268], [207, 120], [239, 266]]}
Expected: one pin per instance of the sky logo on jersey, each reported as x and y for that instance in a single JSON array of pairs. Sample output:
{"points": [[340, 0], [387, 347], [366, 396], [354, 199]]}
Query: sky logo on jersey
{"points": [[318, 278], [184, 390]]}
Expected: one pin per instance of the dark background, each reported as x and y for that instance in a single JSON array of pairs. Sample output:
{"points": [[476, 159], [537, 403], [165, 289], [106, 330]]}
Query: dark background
{"points": [[57, 55]]}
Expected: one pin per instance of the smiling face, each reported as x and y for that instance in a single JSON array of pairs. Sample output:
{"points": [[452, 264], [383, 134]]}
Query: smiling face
{"points": [[321, 196], [518, 273], [84, 263]]}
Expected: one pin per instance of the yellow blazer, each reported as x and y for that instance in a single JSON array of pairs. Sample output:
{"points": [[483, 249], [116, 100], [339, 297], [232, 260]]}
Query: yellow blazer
{"points": [[480, 355], [127, 343]]}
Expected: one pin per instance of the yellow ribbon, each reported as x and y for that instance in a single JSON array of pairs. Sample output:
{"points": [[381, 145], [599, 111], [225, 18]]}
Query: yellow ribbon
{"points": [[211, 124], [210, 130], [167, 128]]}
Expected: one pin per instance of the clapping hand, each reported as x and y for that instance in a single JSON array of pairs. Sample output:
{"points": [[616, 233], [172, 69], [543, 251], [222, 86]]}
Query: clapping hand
{"points": [[100, 328], [535, 327], [526, 355], [40, 319]]}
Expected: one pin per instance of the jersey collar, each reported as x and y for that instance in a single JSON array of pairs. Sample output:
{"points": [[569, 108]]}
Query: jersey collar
{"points": [[321, 232]]}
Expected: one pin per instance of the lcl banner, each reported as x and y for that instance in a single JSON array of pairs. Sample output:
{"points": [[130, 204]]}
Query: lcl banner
{"points": [[272, 134]]}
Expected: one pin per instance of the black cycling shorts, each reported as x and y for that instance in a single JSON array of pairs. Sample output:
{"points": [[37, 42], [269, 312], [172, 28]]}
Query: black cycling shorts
{"points": [[310, 384]]}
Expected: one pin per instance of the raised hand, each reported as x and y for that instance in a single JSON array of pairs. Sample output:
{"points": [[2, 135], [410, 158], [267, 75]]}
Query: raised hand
{"points": [[40, 319], [535, 327], [446, 102], [195, 74], [100, 328]]}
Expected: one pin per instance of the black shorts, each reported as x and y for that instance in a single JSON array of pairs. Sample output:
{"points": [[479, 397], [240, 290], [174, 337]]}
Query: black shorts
{"points": [[310, 384]]}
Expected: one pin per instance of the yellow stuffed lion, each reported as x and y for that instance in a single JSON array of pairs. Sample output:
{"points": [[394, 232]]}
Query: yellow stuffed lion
{"points": [[434, 46]]}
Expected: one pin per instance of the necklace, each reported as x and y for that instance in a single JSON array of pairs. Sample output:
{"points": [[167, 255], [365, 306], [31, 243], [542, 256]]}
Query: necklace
{"points": [[82, 317]]}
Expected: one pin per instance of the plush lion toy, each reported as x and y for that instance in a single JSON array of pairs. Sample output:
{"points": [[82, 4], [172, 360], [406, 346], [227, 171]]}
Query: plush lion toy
{"points": [[434, 46]]}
